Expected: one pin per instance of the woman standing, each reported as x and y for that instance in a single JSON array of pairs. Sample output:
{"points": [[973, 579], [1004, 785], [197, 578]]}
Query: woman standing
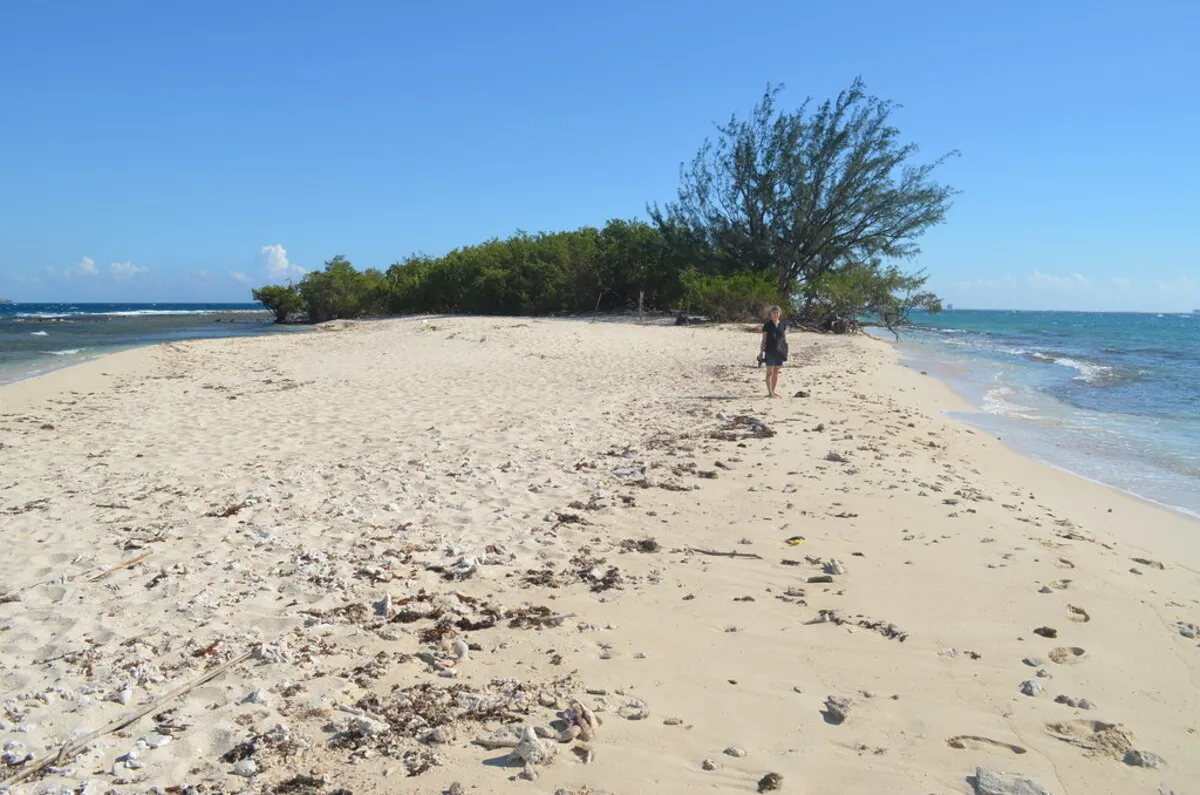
{"points": [[774, 347]]}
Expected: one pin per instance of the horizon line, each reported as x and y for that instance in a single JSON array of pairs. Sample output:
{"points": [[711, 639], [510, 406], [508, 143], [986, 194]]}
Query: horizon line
{"points": [[15, 302]]}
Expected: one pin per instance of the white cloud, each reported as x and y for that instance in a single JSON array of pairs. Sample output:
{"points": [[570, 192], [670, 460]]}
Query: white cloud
{"points": [[237, 276], [85, 267], [1063, 281], [126, 270], [1072, 290], [278, 266], [1184, 285]]}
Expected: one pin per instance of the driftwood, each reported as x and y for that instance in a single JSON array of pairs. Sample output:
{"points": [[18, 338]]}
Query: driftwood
{"points": [[118, 567], [717, 554], [77, 745]]}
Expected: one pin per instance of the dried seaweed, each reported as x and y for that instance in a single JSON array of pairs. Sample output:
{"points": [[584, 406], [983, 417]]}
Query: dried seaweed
{"points": [[299, 785], [230, 510], [740, 428], [643, 545], [532, 617], [546, 578], [886, 629], [611, 578], [278, 743]]}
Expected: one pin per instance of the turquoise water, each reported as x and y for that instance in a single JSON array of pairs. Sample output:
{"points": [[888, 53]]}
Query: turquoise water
{"points": [[1114, 397], [37, 338]]}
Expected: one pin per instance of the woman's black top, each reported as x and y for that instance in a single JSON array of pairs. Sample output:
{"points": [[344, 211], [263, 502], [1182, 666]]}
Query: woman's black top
{"points": [[775, 334]]}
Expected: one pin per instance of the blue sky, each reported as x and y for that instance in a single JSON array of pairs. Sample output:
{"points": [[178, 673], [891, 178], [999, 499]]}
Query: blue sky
{"points": [[155, 151]]}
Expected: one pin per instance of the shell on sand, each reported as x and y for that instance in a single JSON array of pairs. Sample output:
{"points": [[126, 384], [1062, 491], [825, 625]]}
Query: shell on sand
{"points": [[530, 750], [582, 717], [838, 708], [1067, 655], [505, 737]]}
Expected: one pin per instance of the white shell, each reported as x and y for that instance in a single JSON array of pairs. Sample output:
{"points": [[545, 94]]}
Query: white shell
{"points": [[155, 740], [530, 749], [246, 768], [369, 726]]}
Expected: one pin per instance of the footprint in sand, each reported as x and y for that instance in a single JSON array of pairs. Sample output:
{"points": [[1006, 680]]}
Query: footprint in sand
{"points": [[1095, 737], [1063, 563], [1067, 655], [971, 742], [1078, 614], [1060, 585]]}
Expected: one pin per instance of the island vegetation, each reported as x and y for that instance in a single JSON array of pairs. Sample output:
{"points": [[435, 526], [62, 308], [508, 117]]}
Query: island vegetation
{"points": [[813, 209]]}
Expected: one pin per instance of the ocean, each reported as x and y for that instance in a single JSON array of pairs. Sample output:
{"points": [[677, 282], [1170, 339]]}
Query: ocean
{"points": [[1113, 397], [37, 338]]}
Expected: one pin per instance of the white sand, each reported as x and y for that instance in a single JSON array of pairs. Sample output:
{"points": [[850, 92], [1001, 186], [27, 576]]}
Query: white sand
{"points": [[358, 458]]}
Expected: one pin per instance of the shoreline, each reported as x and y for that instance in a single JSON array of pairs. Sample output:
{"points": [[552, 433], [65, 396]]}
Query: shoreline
{"points": [[950, 403], [51, 316], [343, 506], [911, 356], [162, 326], [4, 380]]}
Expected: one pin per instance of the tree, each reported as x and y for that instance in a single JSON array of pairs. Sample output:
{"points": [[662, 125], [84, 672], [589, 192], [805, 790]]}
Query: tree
{"points": [[801, 196], [881, 293], [283, 301], [636, 265], [339, 291], [740, 296]]}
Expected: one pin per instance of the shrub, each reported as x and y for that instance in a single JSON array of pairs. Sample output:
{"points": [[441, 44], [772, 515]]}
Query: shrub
{"points": [[841, 301], [740, 296], [340, 291], [282, 301]]}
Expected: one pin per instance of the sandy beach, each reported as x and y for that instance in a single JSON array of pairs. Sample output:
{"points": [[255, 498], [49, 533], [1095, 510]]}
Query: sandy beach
{"points": [[339, 561]]}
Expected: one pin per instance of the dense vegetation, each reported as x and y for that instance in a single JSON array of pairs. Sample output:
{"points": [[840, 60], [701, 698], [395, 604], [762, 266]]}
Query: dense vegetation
{"points": [[545, 274], [809, 210]]}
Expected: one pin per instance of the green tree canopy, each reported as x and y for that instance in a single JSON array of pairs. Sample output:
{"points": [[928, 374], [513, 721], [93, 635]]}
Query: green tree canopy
{"points": [[805, 194], [341, 291], [282, 301], [811, 210]]}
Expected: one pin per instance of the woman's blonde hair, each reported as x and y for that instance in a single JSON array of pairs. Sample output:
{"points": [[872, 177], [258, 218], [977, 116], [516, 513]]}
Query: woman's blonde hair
{"points": [[774, 309]]}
